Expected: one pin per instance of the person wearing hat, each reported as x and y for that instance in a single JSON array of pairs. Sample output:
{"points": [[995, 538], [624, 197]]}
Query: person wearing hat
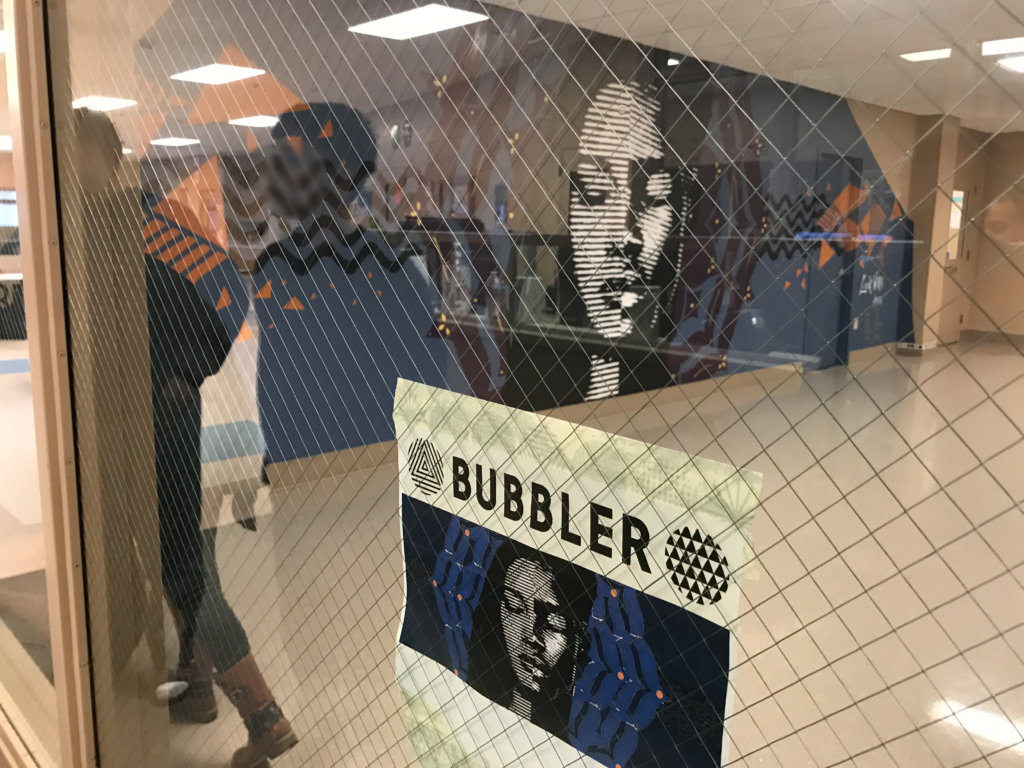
{"points": [[188, 342], [343, 314]]}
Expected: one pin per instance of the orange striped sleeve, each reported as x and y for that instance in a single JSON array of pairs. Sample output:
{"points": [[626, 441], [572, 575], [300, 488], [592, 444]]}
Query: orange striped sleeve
{"points": [[161, 241], [152, 228], [207, 266], [196, 257], [175, 250]]}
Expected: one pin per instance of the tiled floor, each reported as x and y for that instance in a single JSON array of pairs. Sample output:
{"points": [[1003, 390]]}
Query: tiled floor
{"points": [[883, 627]]}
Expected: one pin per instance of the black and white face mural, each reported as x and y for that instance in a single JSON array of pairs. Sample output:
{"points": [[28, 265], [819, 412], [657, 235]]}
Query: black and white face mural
{"points": [[619, 213]]}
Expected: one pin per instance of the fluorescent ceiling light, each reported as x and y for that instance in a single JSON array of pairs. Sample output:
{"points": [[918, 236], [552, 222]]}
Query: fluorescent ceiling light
{"points": [[174, 141], [1014, 63], [673, 62], [425, 20], [125, 151], [217, 74], [102, 103], [256, 121], [997, 47], [938, 53], [6, 144]]}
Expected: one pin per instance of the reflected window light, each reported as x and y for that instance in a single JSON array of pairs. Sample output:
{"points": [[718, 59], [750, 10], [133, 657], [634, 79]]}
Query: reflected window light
{"points": [[102, 103], [981, 723], [999, 47], [938, 53], [217, 74], [8, 208], [1014, 63], [255, 121], [174, 141], [425, 20]]}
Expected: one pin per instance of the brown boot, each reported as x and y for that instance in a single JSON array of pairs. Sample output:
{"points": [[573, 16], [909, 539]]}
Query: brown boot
{"points": [[198, 704], [270, 733]]}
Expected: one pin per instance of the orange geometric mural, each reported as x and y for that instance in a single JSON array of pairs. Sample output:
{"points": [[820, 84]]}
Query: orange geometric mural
{"points": [[260, 95], [839, 218]]}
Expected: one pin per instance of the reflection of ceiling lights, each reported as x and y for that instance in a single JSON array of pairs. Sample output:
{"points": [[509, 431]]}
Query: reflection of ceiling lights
{"points": [[174, 141], [256, 121], [1014, 63], [673, 62], [217, 74], [998, 47], [938, 53], [125, 151], [6, 144], [984, 724], [102, 103], [425, 20]]}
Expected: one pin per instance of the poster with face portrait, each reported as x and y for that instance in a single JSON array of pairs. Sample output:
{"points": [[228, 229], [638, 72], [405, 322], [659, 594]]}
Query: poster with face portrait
{"points": [[570, 595]]}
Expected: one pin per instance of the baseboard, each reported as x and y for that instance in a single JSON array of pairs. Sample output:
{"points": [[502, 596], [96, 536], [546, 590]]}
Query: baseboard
{"points": [[995, 337]]}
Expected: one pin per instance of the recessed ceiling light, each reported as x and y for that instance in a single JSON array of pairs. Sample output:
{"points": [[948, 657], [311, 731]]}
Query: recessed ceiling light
{"points": [[217, 74], [1014, 63], [6, 144], [425, 20], [256, 121], [102, 103], [174, 141], [673, 62], [998, 47], [938, 53]]}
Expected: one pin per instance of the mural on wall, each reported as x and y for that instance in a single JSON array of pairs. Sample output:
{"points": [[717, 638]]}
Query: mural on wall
{"points": [[551, 615], [499, 224]]}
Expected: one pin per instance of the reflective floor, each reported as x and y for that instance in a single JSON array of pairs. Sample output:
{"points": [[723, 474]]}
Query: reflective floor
{"points": [[885, 626]]}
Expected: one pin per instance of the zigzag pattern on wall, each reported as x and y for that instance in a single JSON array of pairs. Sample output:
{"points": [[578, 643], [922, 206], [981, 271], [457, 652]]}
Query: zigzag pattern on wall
{"points": [[788, 216]]}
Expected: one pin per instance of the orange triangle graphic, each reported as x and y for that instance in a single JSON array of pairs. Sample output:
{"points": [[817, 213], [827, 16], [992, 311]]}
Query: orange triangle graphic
{"points": [[294, 303], [328, 130], [251, 143], [245, 333], [896, 210], [264, 292], [827, 253], [201, 194], [224, 301], [260, 95]]}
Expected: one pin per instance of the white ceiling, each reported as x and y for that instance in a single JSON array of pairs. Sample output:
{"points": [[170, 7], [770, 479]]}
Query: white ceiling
{"points": [[846, 47]]}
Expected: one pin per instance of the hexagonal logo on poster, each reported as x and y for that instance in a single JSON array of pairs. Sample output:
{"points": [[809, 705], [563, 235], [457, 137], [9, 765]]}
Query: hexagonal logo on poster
{"points": [[699, 568], [426, 467]]}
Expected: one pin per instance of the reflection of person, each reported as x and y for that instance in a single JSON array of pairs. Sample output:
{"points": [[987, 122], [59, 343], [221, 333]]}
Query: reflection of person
{"points": [[619, 213], [343, 315], [188, 343], [529, 636]]}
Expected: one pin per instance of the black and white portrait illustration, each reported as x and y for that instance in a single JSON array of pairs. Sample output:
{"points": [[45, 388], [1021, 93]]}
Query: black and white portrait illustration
{"points": [[619, 217], [530, 637]]}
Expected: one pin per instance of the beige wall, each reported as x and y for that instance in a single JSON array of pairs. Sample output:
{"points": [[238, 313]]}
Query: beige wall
{"points": [[997, 292], [891, 135]]}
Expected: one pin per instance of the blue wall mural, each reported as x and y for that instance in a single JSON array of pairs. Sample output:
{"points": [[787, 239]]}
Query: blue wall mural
{"points": [[706, 221]]}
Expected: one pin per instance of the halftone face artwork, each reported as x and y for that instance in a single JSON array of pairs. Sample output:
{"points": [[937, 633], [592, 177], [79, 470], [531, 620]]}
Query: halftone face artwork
{"points": [[619, 212], [537, 632]]}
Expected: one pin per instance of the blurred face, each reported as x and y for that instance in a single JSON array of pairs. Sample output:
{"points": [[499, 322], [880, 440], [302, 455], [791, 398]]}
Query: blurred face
{"points": [[1004, 220], [619, 213], [537, 632], [297, 180]]}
